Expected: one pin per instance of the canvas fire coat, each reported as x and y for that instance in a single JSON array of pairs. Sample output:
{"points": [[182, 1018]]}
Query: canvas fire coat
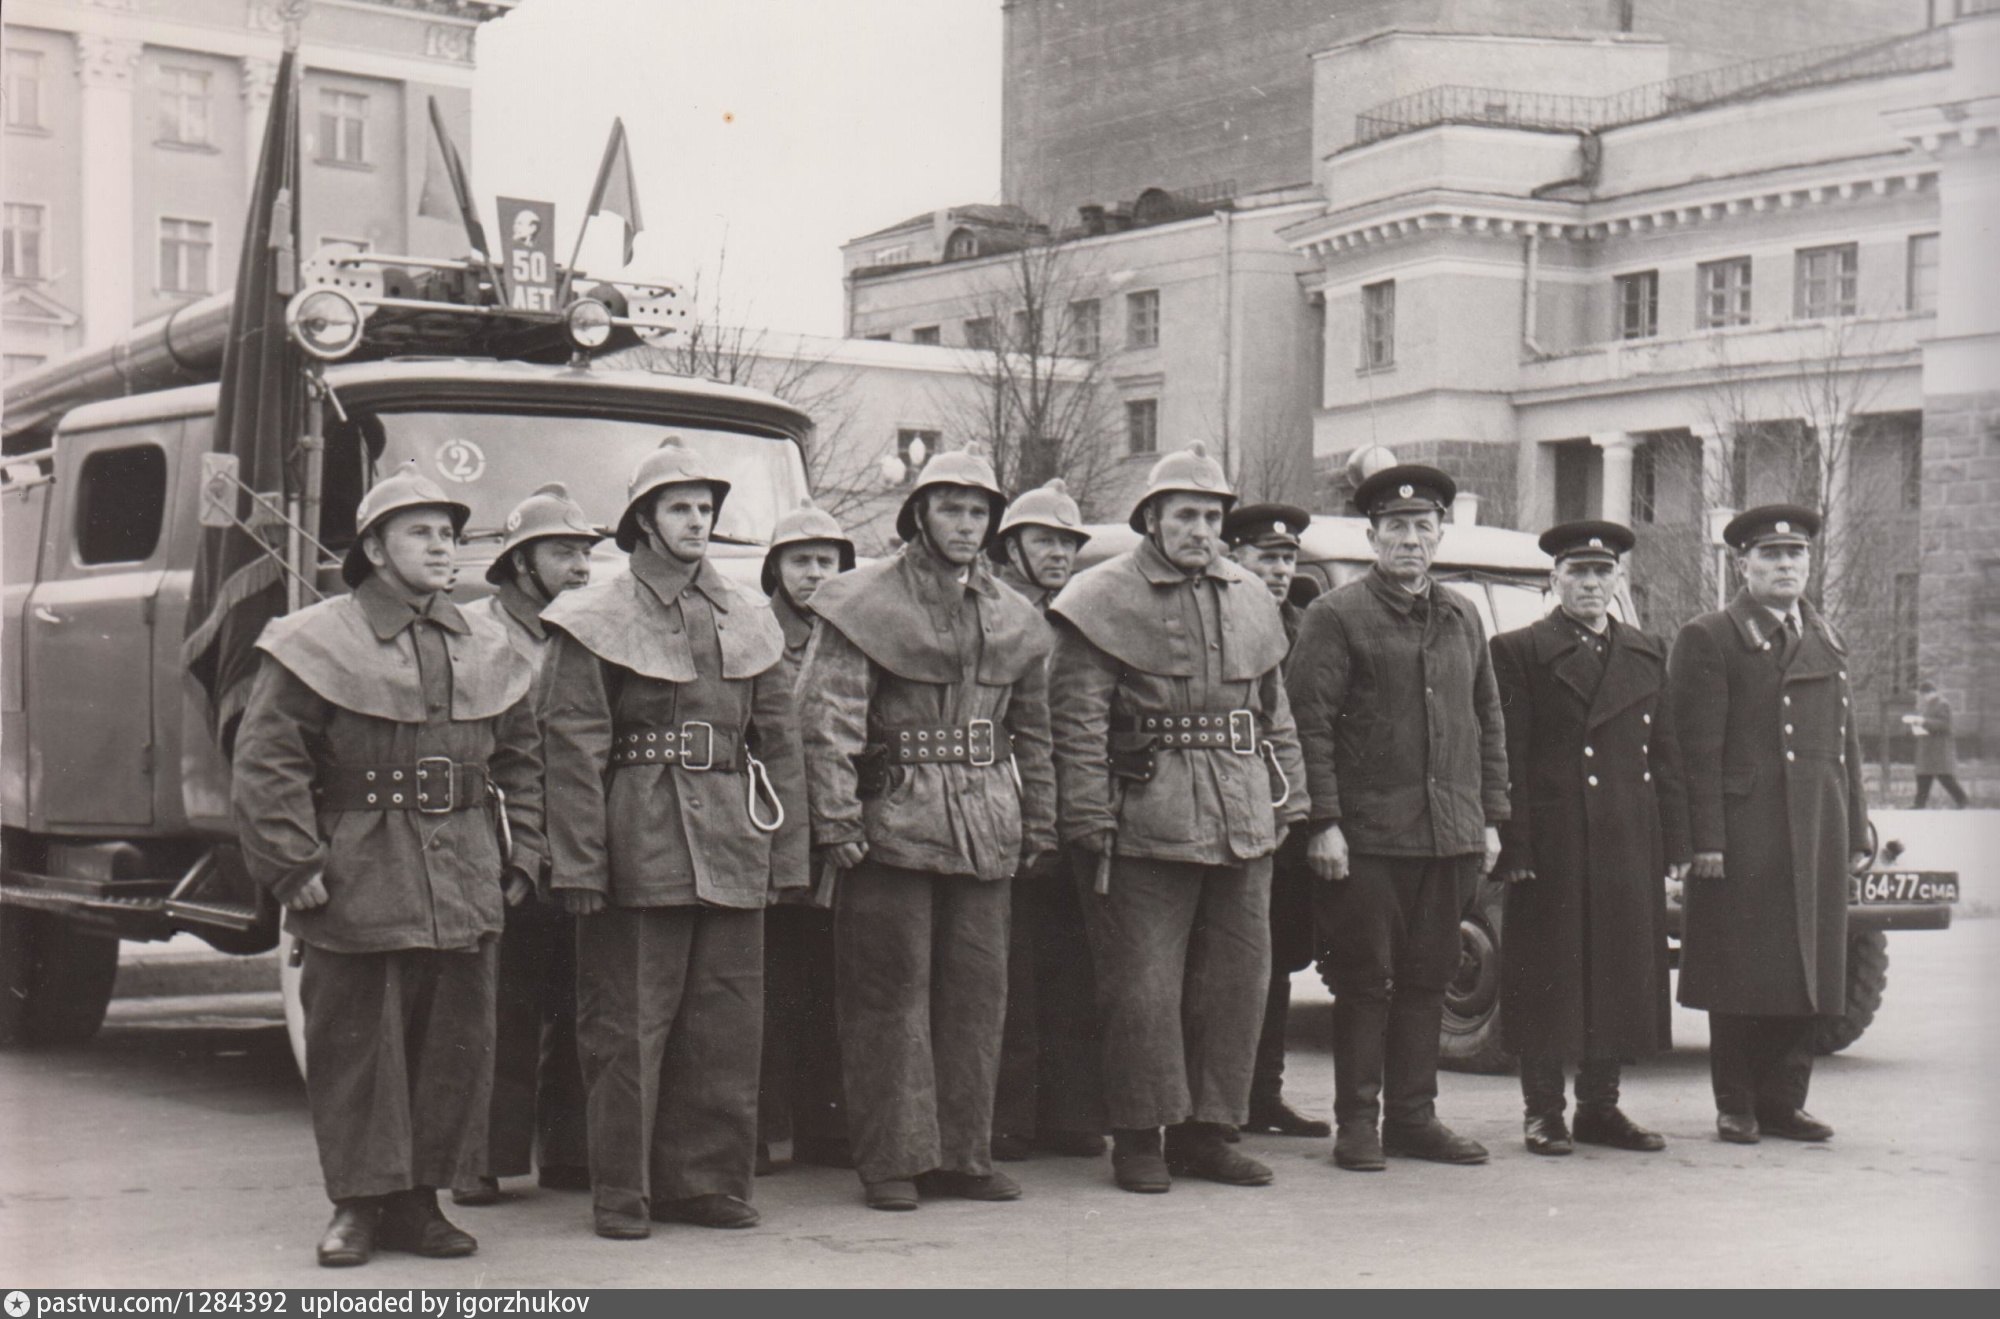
{"points": [[514, 612]]}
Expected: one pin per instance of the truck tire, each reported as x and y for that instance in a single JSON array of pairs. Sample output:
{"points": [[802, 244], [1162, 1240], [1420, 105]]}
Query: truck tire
{"points": [[1470, 1039], [55, 979], [1867, 979], [295, 1011]]}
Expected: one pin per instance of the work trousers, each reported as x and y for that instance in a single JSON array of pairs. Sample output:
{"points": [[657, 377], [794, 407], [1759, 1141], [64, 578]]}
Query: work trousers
{"points": [[1292, 949], [1050, 1052], [1183, 959], [670, 1017], [1390, 931], [537, 1081], [399, 1065], [1950, 784], [1542, 1084], [921, 992], [1759, 1065], [799, 1092]]}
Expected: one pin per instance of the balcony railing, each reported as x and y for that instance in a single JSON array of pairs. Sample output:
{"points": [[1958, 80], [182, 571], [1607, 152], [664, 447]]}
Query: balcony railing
{"points": [[1553, 111]]}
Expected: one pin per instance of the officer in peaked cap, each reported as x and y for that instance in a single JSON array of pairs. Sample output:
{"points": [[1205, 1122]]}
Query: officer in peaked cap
{"points": [[673, 760], [1778, 819], [1264, 538], [537, 1117], [382, 731], [799, 1090], [1049, 1097], [1599, 816], [1178, 771], [1406, 761], [927, 743]]}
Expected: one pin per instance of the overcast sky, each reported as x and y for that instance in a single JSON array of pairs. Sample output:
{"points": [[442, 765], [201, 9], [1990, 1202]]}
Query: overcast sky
{"points": [[776, 129]]}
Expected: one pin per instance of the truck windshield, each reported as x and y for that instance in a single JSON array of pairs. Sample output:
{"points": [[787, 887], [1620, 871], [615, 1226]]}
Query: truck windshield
{"points": [[492, 460]]}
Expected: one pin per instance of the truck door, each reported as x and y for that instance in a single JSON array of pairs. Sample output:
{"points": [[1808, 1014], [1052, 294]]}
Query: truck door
{"points": [[89, 621]]}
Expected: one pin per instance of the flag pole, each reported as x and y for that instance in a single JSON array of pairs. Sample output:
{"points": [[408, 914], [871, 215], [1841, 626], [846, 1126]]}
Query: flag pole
{"points": [[596, 195]]}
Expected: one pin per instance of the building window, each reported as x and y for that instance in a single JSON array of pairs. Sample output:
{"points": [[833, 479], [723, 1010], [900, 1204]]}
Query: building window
{"points": [[1824, 281], [24, 89], [1142, 319], [1639, 305], [187, 253], [1646, 482], [1378, 325], [1723, 289], [1923, 273], [121, 502], [915, 446], [1142, 425], [26, 223], [19, 364], [1083, 327], [343, 127], [963, 245], [890, 256], [926, 334], [184, 106], [881, 338], [979, 333]]}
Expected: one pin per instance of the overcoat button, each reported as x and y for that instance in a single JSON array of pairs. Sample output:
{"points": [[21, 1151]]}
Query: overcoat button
{"points": [[1589, 751], [1647, 776], [1593, 780], [1791, 755]]}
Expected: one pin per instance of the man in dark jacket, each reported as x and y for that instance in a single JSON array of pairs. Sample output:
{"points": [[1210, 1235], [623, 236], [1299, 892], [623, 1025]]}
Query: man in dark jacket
{"points": [[1777, 820], [1407, 763], [537, 1115], [798, 1091], [1175, 760], [381, 731], [678, 813], [1936, 756], [1264, 538], [1599, 819], [1050, 1096], [927, 744]]}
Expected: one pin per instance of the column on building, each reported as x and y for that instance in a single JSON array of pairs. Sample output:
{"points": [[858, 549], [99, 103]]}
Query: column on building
{"points": [[1618, 448], [107, 67], [260, 77]]}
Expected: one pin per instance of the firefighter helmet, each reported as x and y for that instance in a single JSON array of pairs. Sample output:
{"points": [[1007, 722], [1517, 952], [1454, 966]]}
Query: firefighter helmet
{"points": [[960, 467], [1187, 471], [547, 512], [673, 463], [808, 524], [1050, 506], [405, 488]]}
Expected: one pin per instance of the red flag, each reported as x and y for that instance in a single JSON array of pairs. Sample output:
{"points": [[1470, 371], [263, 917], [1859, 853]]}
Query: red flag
{"points": [[238, 586], [616, 192], [443, 168]]}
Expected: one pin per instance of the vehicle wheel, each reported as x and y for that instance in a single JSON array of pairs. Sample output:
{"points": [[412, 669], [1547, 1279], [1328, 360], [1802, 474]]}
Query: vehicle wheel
{"points": [[56, 979], [1470, 1040], [1867, 978], [295, 1010]]}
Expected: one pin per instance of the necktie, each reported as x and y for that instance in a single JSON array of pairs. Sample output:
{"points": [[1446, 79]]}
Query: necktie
{"points": [[1791, 641]]}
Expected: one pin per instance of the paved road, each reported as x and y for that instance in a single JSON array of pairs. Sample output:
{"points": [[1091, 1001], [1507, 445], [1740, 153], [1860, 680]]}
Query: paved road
{"points": [[175, 1151]]}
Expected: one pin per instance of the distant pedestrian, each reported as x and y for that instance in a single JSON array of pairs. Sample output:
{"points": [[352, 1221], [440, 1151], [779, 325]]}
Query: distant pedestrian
{"points": [[1937, 758]]}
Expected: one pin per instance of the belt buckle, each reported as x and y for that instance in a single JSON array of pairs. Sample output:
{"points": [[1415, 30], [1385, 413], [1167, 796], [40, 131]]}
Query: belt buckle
{"points": [[707, 745], [1243, 732], [973, 731], [425, 766]]}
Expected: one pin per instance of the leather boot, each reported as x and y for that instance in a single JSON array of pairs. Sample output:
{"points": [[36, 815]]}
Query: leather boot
{"points": [[411, 1222], [1432, 1140], [1201, 1149], [1546, 1133], [1606, 1124], [349, 1239], [1357, 1147], [1359, 1027], [1137, 1164], [1409, 1087], [1273, 1115]]}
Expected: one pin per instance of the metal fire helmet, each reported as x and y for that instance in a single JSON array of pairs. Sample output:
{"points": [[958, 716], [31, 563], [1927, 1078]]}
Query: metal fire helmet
{"points": [[549, 511], [808, 524], [1050, 506], [405, 488], [1185, 471], [960, 467], [673, 463]]}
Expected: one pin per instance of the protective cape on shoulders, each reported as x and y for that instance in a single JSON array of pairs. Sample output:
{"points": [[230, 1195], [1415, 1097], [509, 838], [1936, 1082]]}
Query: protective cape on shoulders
{"points": [[1122, 606], [331, 648], [884, 608], [622, 622]]}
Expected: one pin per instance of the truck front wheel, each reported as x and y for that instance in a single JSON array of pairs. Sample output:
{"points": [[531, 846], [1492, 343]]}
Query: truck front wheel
{"points": [[55, 979], [1470, 1039], [1867, 978]]}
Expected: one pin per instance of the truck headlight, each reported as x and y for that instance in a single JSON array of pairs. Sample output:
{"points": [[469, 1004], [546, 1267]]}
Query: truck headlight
{"points": [[588, 322], [324, 322]]}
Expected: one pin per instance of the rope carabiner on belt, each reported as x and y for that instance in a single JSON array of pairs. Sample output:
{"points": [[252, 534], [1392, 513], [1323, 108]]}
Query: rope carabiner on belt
{"points": [[757, 781], [499, 797], [1271, 758]]}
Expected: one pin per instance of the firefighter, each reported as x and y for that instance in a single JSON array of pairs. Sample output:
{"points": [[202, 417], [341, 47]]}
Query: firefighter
{"points": [[1176, 764], [1406, 757], [1264, 540], [927, 745], [799, 1086], [673, 768], [382, 731], [1599, 820], [1049, 1097], [1778, 819], [537, 1114]]}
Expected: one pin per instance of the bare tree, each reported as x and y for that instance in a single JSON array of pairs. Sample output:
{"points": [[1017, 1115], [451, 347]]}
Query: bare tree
{"points": [[1273, 464]]}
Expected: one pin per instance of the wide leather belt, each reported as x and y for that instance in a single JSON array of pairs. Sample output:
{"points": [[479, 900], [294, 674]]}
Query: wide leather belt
{"points": [[1195, 730], [695, 745], [434, 785], [978, 743]]}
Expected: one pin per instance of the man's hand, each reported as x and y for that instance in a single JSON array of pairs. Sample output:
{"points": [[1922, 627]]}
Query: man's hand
{"points": [[1492, 857], [1326, 854], [582, 902], [1677, 871], [1707, 865], [311, 894], [519, 888], [847, 856], [1031, 862], [1516, 875], [1097, 844]]}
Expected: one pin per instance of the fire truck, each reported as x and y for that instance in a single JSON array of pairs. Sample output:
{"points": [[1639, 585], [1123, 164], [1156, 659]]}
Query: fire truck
{"points": [[114, 788]]}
